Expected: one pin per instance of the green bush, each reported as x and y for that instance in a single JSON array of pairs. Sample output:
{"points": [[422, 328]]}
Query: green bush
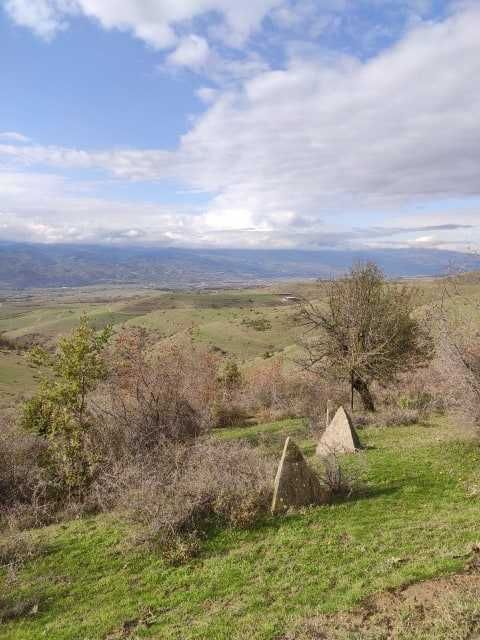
{"points": [[59, 412]]}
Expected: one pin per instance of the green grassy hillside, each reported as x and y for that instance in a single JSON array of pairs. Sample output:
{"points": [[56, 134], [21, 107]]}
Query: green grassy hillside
{"points": [[244, 323], [16, 376], [416, 518]]}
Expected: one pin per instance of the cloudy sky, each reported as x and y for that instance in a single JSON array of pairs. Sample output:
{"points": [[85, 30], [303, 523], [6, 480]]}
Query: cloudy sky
{"points": [[267, 123]]}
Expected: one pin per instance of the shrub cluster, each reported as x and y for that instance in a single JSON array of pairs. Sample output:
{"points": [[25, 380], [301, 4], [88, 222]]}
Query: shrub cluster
{"points": [[178, 490], [25, 490], [132, 423]]}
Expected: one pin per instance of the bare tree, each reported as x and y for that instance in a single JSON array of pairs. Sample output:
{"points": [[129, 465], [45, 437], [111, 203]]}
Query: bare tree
{"points": [[365, 331]]}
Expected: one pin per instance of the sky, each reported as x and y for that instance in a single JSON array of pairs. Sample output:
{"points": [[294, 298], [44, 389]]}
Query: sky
{"points": [[303, 124]]}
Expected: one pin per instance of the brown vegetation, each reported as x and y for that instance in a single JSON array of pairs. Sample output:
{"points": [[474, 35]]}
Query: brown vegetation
{"points": [[177, 490]]}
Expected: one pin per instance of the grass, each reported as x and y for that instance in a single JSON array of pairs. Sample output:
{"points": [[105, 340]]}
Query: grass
{"points": [[16, 376], [233, 336], [54, 321], [418, 518], [271, 436]]}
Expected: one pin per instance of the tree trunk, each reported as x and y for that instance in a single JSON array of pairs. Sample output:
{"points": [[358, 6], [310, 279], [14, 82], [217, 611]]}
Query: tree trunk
{"points": [[363, 391], [352, 389]]}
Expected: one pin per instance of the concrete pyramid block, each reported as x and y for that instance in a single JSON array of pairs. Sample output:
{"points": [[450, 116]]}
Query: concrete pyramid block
{"points": [[296, 485], [339, 437]]}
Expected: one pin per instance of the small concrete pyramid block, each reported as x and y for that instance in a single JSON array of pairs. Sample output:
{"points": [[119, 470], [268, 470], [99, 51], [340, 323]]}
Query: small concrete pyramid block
{"points": [[296, 485], [339, 437]]}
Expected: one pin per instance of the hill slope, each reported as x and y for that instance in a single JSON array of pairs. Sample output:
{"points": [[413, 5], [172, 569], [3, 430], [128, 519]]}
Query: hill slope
{"points": [[416, 520]]}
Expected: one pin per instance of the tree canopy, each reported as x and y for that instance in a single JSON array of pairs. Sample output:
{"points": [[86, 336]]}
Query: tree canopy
{"points": [[366, 330]]}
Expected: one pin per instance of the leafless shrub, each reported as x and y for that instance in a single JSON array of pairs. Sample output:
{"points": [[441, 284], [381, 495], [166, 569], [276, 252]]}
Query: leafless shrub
{"points": [[388, 417], [24, 487], [342, 484], [13, 610], [29, 340], [30, 495], [457, 365], [277, 389], [182, 488], [6, 343], [17, 548], [151, 396], [397, 416], [229, 415]]}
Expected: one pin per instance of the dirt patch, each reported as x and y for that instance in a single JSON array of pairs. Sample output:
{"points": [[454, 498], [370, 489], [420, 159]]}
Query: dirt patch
{"points": [[444, 609]]}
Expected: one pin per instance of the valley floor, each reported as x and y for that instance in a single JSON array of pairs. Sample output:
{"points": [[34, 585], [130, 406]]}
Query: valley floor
{"points": [[417, 519]]}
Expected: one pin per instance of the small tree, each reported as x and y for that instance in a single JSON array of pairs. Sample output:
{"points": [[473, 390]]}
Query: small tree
{"points": [[365, 331], [230, 379], [58, 411]]}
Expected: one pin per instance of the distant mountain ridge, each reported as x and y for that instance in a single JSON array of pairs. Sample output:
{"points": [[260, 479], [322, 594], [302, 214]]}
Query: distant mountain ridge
{"points": [[25, 265]]}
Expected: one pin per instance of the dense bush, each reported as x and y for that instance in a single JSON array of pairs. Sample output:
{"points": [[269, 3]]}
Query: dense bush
{"points": [[388, 417], [340, 482], [458, 368], [59, 410], [275, 389], [179, 489], [6, 343], [25, 491], [150, 396], [225, 414]]}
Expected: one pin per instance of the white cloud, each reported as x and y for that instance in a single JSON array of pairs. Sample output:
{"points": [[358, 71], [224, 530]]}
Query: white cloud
{"points": [[207, 94], [46, 207], [401, 126], [13, 136], [224, 71], [288, 152], [192, 51], [43, 17], [153, 21], [425, 239]]}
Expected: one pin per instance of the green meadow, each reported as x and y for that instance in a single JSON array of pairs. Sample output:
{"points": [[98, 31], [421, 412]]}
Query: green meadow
{"points": [[415, 518]]}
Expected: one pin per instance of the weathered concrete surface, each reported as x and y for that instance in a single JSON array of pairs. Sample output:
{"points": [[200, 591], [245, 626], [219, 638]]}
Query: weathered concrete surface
{"points": [[339, 437], [296, 485]]}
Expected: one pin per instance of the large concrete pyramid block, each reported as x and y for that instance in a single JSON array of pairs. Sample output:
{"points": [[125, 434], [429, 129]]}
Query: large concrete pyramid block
{"points": [[339, 437], [296, 485]]}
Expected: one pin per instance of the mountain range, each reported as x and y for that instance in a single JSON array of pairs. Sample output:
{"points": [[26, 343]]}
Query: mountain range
{"points": [[25, 265]]}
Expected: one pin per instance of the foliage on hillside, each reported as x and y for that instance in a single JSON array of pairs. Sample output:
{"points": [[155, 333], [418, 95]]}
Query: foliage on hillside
{"points": [[418, 519]]}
